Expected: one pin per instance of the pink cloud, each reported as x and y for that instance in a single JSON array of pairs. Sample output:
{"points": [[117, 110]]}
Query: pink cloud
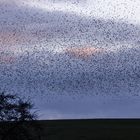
{"points": [[83, 52]]}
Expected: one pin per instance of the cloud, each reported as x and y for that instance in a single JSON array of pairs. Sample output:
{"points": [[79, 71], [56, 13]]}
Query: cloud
{"points": [[82, 52]]}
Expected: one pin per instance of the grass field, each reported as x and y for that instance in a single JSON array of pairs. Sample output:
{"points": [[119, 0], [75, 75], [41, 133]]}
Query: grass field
{"points": [[109, 129], [94, 129]]}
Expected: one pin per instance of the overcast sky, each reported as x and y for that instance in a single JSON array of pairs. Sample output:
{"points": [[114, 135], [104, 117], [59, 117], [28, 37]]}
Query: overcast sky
{"points": [[75, 59]]}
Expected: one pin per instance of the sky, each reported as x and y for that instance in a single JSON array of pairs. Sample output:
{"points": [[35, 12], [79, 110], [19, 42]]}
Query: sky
{"points": [[74, 59]]}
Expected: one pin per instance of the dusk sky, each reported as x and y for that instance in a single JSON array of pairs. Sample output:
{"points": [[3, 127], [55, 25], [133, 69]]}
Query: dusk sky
{"points": [[73, 58]]}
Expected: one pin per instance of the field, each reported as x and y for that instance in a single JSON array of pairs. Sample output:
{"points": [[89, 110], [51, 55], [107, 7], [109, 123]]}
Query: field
{"points": [[109, 129], [94, 129]]}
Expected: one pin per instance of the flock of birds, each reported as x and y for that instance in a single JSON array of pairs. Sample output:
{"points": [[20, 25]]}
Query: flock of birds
{"points": [[64, 53]]}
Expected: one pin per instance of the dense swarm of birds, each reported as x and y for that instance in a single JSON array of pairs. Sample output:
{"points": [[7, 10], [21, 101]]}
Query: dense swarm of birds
{"points": [[43, 52]]}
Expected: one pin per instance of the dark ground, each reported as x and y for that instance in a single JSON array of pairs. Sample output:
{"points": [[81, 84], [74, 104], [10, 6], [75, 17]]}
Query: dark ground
{"points": [[92, 129]]}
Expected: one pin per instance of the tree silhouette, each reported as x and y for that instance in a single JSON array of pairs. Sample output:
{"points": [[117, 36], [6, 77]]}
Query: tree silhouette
{"points": [[16, 118]]}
